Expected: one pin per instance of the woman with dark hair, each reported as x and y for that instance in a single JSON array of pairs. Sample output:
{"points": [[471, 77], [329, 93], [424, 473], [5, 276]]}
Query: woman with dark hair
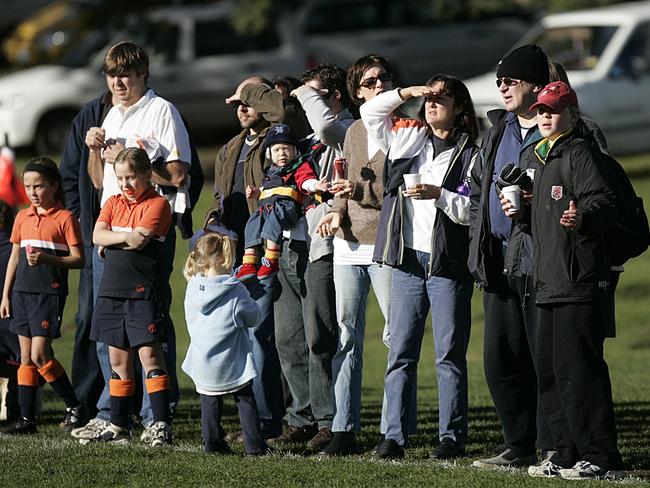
{"points": [[423, 234], [353, 223]]}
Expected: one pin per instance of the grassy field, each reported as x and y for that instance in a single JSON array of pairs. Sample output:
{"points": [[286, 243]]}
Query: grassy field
{"points": [[52, 459]]}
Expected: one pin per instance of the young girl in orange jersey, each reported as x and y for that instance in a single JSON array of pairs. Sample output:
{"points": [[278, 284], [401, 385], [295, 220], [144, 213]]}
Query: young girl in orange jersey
{"points": [[46, 241], [131, 229]]}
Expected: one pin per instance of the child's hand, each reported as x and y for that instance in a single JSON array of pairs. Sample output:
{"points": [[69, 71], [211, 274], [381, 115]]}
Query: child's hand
{"points": [[252, 192], [101, 251], [5, 308], [322, 185], [137, 240], [571, 217], [35, 258]]}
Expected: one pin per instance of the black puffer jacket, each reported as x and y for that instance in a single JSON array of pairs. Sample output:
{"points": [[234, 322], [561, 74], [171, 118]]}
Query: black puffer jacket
{"points": [[570, 265]]}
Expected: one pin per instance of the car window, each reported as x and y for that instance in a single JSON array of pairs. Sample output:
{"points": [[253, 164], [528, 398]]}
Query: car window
{"points": [[577, 48], [160, 39], [218, 37], [634, 59]]}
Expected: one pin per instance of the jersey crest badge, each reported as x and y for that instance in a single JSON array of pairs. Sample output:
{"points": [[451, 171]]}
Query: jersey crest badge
{"points": [[556, 192]]}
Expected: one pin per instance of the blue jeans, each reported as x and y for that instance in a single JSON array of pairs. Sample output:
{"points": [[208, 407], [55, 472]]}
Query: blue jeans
{"points": [[352, 284], [412, 293], [267, 385], [86, 374], [168, 344]]}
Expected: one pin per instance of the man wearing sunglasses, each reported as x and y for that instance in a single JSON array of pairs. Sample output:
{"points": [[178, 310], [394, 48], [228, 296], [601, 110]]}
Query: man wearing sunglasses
{"points": [[501, 262]]}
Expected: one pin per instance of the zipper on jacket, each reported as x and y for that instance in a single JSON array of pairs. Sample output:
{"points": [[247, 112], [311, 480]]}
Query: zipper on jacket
{"points": [[384, 257], [433, 232]]}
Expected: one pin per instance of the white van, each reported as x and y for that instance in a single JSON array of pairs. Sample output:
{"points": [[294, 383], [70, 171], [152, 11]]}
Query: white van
{"points": [[606, 52]]}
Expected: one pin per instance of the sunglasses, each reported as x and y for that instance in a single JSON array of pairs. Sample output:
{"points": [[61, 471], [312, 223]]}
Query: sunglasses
{"points": [[435, 96], [507, 81], [372, 81]]}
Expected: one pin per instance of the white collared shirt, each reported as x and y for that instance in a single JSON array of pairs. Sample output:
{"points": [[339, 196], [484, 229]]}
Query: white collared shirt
{"points": [[151, 118]]}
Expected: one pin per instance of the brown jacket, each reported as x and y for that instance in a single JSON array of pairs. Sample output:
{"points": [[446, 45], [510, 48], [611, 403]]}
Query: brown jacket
{"points": [[360, 212], [270, 104]]}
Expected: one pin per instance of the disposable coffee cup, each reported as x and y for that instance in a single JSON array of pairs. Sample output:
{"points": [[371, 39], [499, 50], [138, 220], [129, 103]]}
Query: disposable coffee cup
{"points": [[412, 179], [513, 194]]}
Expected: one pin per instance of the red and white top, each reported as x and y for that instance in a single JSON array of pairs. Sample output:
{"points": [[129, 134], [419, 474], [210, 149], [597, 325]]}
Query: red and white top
{"points": [[132, 274], [52, 232]]}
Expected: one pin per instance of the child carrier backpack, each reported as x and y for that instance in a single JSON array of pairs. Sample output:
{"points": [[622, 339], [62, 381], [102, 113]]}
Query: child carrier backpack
{"points": [[629, 237]]}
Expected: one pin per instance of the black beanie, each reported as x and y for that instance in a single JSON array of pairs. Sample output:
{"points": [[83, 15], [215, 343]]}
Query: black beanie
{"points": [[528, 63]]}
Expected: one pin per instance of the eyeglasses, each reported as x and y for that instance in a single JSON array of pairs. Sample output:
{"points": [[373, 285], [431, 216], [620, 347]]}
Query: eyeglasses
{"points": [[372, 81], [507, 81]]}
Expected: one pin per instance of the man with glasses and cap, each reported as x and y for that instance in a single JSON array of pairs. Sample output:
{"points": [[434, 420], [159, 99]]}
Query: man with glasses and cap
{"points": [[500, 259]]}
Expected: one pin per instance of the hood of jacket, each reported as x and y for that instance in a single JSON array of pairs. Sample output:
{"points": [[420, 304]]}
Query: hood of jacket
{"points": [[205, 293]]}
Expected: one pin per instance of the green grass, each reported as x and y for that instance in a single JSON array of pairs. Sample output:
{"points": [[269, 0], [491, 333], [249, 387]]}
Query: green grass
{"points": [[52, 459]]}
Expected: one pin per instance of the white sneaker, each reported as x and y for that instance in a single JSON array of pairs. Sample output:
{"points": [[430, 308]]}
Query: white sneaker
{"points": [[161, 434], [147, 434], [91, 431], [545, 469], [584, 470], [114, 434]]}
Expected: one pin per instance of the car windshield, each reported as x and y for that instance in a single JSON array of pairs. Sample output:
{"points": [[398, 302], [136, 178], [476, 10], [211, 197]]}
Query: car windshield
{"points": [[578, 48]]}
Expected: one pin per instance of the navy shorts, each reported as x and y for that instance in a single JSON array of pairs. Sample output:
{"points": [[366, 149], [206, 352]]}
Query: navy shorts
{"points": [[125, 322], [36, 314]]}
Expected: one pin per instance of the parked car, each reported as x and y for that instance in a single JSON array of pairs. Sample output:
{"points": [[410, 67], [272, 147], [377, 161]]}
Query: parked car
{"points": [[606, 52], [197, 58]]}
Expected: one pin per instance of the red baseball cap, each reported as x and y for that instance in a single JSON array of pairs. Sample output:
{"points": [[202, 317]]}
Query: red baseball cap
{"points": [[557, 95]]}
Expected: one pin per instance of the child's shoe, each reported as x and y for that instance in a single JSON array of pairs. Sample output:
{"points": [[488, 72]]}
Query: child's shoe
{"points": [[114, 434], [161, 434], [73, 418], [584, 470], [22, 426], [269, 267], [246, 271]]}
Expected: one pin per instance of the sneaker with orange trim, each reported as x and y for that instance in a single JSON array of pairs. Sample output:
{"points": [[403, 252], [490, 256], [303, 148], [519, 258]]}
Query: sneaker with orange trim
{"points": [[246, 272], [269, 268]]}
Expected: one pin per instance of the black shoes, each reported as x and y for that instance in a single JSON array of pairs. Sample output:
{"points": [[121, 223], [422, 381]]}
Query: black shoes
{"points": [[342, 444], [22, 426], [389, 449], [448, 449]]}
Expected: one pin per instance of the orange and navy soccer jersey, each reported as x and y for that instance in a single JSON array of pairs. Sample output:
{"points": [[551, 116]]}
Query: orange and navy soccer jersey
{"points": [[131, 274], [52, 232]]}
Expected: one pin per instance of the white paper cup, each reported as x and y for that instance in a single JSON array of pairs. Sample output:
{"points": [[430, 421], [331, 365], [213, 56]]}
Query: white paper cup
{"points": [[412, 179], [513, 194]]}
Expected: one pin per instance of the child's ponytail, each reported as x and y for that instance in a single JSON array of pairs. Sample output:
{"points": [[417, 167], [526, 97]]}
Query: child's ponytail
{"points": [[210, 251]]}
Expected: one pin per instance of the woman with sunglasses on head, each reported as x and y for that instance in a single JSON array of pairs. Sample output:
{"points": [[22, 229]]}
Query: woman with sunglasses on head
{"points": [[423, 234], [353, 221]]}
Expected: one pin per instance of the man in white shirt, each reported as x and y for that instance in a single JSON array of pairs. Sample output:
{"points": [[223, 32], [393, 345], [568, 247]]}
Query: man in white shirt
{"points": [[138, 118]]}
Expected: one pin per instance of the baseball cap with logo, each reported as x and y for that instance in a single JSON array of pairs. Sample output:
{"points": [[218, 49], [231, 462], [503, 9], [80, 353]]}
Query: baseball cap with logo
{"points": [[280, 133], [557, 95]]}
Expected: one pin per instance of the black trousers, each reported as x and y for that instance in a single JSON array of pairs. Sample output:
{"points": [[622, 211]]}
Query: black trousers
{"points": [[574, 384], [212, 410], [508, 351]]}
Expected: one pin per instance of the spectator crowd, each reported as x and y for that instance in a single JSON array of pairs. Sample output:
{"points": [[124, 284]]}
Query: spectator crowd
{"points": [[338, 181]]}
